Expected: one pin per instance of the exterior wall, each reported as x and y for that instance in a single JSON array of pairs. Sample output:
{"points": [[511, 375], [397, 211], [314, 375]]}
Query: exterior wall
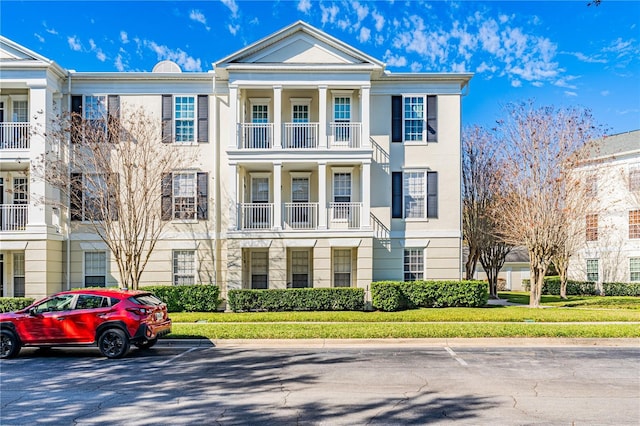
{"points": [[512, 274]]}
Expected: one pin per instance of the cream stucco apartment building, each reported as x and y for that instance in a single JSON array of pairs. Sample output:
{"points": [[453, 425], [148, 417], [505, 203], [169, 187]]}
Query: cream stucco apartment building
{"points": [[610, 247], [316, 168]]}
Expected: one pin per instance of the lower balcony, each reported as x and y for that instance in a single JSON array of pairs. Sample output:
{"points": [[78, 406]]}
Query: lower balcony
{"points": [[300, 216], [13, 217], [14, 136]]}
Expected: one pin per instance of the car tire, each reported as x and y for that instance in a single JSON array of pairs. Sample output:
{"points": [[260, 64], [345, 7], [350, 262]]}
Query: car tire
{"points": [[9, 344], [113, 343], [146, 344]]}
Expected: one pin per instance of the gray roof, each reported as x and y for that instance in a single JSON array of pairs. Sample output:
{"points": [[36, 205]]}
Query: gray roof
{"points": [[517, 254], [615, 144]]}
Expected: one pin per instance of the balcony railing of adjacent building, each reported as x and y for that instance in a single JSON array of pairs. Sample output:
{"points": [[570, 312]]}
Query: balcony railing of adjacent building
{"points": [[299, 216], [13, 217], [299, 135], [14, 135]]}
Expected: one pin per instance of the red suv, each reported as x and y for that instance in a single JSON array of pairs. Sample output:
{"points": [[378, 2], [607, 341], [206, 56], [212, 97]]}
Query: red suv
{"points": [[112, 319]]}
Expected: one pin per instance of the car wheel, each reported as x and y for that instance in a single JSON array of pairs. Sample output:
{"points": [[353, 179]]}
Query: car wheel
{"points": [[147, 343], [9, 344], [113, 343]]}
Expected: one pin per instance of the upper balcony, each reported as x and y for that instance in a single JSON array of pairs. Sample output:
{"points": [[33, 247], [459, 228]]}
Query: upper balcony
{"points": [[14, 136], [260, 136]]}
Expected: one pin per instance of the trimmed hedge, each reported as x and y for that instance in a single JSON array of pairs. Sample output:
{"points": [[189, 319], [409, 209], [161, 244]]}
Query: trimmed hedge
{"points": [[551, 286], [188, 298], [10, 304], [621, 289], [395, 295], [296, 299]]}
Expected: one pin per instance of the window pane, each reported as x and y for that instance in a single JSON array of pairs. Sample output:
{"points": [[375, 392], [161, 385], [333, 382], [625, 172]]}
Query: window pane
{"points": [[300, 190], [592, 227], [95, 107], [185, 118], [260, 114], [634, 269], [260, 190], [634, 224], [342, 187], [184, 195], [20, 112], [259, 270], [634, 180], [184, 271], [413, 118], [300, 114], [413, 264], [342, 268], [95, 268], [592, 269], [414, 194], [342, 109]]}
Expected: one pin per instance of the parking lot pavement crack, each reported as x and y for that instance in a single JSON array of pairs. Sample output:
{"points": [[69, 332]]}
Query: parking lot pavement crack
{"points": [[535, 389], [100, 406], [218, 421]]}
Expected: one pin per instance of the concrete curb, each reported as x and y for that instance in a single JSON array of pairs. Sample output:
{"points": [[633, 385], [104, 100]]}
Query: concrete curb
{"points": [[390, 343]]}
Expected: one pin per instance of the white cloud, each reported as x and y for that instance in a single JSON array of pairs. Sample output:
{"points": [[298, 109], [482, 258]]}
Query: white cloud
{"points": [[589, 59], [365, 35], [39, 37], [119, 64], [393, 60], [197, 16], [124, 37], [304, 6], [49, 30], [74, 43], [537, 84], [362, 11], [233, 29], [605, 93], [232, 6], [329, 14], [516, 83], [416, 67], [379, 20], [186, 62], [569, 93]]}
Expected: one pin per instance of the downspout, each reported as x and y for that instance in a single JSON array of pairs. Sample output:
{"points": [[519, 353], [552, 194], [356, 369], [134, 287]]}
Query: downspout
{"points": [[68, 230], [463, 93]]}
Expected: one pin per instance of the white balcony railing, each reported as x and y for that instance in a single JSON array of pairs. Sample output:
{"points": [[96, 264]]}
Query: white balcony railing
{"points": [[255, 135], [255, 216], [344, 215], [14, 135], [300, 135], [13, 217], [300, 215], [345, 135]]}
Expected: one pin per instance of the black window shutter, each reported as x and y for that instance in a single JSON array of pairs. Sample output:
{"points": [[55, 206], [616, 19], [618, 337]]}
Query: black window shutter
{"points": [[75, 202], [203, 195], [167, 118], [167, 182], [432, 194], [432, 119], [396, 194], [76, 118], [396, 119], [203, 118], [113, 123]]}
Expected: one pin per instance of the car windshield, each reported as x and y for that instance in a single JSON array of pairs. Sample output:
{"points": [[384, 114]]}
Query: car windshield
{"points": [[146, 299]]}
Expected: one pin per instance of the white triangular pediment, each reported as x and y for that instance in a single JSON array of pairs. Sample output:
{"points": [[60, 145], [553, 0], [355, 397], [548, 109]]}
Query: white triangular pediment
{"points": [[299, 43], [301, 49], [11, 51]]}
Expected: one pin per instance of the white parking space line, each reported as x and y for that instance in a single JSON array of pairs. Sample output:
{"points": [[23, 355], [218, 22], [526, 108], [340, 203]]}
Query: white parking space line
{"points": [[455, 356], [177, 356]]}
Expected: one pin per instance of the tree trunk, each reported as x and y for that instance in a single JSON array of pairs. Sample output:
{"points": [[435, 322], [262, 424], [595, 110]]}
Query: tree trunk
{"points": [[470, 265], [537, 280]]}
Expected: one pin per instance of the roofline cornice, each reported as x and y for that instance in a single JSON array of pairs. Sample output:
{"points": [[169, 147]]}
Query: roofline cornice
{"points": [[136, 76]]}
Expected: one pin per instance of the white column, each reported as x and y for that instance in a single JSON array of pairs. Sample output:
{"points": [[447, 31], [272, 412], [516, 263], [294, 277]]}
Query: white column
{"points": [[365, 114], [322, 116], [233, 196], [277, 195], [40, 193], [322, 195], [233, 116], [365, 179], [277, 116]]}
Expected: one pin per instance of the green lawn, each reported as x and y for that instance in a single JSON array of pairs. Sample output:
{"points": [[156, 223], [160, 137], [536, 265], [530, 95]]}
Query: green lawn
{"points": [[580, 317]]}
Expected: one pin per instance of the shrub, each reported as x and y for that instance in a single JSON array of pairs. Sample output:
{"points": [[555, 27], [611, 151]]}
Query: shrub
{"points": [[188, 298], [297, 299], [551, 286], [621, 289], [10, 304], [394, 296]]}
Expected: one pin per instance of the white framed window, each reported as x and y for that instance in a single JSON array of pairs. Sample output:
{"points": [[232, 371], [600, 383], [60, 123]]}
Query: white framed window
{"points": [[634, 269], [592, 270], [413, 264], [300, 110], [260, 112], [18, 274], [634, 224], [184, 267], [300, 268], [185, 119], [342, 267], [591, 222], [415, 191], [95, 107], [20, 111], [414, 118], [20, 190], [184, 195], [95, 268], [634, 180], [342, 187], [259, 269], [342, 109]]}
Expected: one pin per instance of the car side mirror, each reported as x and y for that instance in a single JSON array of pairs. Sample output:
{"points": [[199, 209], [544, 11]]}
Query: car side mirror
{"points": [[33, 312]]}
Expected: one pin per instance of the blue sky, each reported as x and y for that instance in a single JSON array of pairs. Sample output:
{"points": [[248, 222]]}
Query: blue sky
{"points": [[556, 52]]}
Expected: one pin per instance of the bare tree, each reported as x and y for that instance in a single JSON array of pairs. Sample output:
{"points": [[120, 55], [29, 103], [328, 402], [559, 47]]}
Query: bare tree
{"points": [[479, 179], [112, 175], [493, 254], [543, 145]]}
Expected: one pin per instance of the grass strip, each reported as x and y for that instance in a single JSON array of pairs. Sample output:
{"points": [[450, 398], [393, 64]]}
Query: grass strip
{"points": [[492, 314], [400, 330]]}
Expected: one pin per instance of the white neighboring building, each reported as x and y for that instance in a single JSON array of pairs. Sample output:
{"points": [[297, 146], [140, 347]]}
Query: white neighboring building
{"points": [[611, 251], [317, 168]]}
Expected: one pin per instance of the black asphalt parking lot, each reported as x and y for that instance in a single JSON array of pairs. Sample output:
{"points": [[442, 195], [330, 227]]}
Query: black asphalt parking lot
{"points": [[187, 383]]}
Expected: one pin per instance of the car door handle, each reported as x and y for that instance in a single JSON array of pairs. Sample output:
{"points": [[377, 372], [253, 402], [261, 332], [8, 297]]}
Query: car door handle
{"points": [[61, 318]]}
